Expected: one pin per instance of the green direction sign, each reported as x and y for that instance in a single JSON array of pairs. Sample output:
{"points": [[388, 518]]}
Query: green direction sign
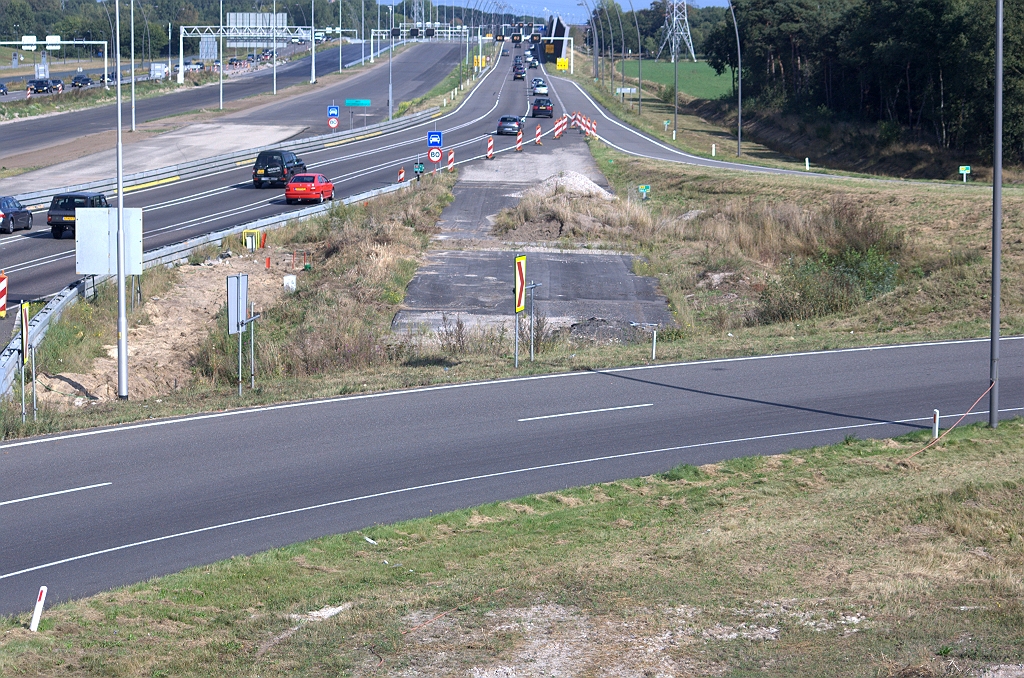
{"points": [[357, 103], [418, 168], [965, 169]]}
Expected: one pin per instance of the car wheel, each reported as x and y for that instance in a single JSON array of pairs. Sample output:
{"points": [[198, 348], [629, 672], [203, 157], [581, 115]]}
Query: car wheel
{"points": [[8, 228], [28, 227], [289, 201], [257, 184], [332, 196], [321, 196], [57, 232]]}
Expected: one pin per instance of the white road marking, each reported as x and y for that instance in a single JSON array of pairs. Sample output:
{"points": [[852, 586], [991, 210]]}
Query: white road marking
{"points": [[468, 479], [472, 384], [52, 494], [573, 414]]}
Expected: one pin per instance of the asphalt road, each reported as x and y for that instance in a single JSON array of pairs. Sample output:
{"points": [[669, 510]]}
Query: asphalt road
{"points": [[87, 511], [37, 133]]}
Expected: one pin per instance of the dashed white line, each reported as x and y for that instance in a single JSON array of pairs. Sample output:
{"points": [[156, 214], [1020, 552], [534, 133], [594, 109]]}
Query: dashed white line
{"points": [[574, 414], [52, 494]]}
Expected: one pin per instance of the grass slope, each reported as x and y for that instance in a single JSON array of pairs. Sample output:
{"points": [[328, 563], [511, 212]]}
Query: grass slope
{"points": [[697, 80], [844, 560]]}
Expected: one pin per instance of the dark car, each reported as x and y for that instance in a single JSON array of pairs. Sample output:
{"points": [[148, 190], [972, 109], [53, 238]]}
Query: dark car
{"points": [[61, 215], [509, 124], [504, 52], [543, 108], [519, 73], [13, 215], [81, 81], [276, 167], [534, 63], [3, 89], [57, 84], [43, 86]]}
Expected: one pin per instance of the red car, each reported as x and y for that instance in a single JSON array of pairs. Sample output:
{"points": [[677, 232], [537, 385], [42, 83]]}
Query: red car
{"points": [[308, 187]]}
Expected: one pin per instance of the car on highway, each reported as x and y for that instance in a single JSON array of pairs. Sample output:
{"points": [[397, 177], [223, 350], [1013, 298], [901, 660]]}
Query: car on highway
{"points": [[13, 215], [81, 81], [308, 187], [41, 86], [533, 63], [504, 52], [61, 215], [540, 87], [58, 85], [276, 167], [519, 73], [3, 89], [509, 124], [543, 108]]}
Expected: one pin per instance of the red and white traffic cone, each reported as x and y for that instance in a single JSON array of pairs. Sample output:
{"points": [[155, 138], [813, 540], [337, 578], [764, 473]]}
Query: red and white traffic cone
{"points": [[490, 148], [519, 141], [536, 138], [451, 160], [593, 128], [3, 295], [401, 174]]}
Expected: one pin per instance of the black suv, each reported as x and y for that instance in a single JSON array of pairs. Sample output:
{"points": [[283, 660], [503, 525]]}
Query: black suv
{"points": [[276, 167], [61, 215], [3, 89], [43, 86], [81, 81], [13, 215], [543, 107]]}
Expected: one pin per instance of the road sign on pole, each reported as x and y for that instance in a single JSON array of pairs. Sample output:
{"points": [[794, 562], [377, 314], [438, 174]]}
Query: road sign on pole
{"points": [[332, 123], [965, 170], [435, 140], [434, 155], [357, 103], [333, 111], [520, 283]]}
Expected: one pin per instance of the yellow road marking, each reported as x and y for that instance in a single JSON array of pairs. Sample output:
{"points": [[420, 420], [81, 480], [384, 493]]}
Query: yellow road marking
{"points": [[359, 138], [150, 184]]}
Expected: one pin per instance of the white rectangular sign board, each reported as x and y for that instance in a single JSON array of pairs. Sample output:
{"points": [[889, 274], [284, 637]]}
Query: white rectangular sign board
{"points": [[238, 302], [96, 240]]}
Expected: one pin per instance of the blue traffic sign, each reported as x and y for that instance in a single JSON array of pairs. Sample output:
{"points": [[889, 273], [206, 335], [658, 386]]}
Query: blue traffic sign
{"points": [[434, 140], [333, 111]]}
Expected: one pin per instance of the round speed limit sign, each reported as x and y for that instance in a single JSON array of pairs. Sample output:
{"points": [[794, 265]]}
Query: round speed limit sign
{"points": [[332, 123], [434, 155]]}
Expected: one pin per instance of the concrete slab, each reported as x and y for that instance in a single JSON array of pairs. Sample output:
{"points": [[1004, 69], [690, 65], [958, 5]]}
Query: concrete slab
{"points": [[193, 142], [576, 286]]}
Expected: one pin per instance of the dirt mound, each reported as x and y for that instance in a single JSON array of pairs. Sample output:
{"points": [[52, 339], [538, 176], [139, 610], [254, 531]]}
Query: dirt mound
{"points": [[571, 183]]}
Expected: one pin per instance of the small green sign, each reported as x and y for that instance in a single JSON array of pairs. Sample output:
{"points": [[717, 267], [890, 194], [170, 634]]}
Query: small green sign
{"points": [[357, 103], [418, 168], [646, 188], [965, 169]]}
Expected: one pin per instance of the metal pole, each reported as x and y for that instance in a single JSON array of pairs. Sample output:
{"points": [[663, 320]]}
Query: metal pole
{"points": [[739, 83], [997, 221], [362, 29], [133, 74], [531, 320], [221, 55], [23, 417], [654, 345], [106, 51], [274, 31], [935, 424], [675, 95], [35, 407], [390, 54], [515, 331], [312, 41], [252, 340], [122, 316], [169, 71]]}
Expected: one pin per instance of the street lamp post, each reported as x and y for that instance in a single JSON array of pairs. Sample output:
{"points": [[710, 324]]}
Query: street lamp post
{"points": [[220, 54], [639, 62], [391, 53], [122, 317], [312, 41], [997, 222], [739, 83], [133, 73]]}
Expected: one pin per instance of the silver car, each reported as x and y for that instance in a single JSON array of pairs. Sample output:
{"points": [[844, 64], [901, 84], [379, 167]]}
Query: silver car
{"points": [[540, 88]]}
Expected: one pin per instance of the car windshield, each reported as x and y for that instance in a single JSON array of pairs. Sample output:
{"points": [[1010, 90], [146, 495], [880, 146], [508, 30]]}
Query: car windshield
{"points": [[303, 179], [265, 159], [509, 118], [69, 202]]}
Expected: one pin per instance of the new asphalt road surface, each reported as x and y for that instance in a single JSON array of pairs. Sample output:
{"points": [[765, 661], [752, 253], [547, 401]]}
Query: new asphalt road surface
{"points": [[86, 511]]}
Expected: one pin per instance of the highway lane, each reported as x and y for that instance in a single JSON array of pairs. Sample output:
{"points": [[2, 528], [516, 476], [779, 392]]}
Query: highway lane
{"points": [[155, 497], [39, 266], [38, 133]]}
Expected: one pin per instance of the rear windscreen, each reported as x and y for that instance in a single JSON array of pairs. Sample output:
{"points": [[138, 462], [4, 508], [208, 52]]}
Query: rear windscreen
{"points": [[69, 202], [267, 159], [302, 179]]}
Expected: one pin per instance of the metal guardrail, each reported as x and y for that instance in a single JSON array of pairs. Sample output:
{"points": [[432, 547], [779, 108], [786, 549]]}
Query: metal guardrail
{"points": [[168, 255], [39, 199]]}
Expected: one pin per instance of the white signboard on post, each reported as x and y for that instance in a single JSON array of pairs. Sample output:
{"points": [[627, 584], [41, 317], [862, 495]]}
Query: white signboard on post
{"points": [[96, 241], [238, 303]]}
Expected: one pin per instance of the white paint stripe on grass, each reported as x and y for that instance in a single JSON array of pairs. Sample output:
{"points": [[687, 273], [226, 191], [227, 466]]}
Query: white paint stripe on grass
{"points": [[53, 494], [485, 476], [573, 414]]}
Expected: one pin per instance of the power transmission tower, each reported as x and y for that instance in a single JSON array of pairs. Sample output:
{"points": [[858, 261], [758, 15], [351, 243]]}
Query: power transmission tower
{"points": [[417, 14], [677, 27]]}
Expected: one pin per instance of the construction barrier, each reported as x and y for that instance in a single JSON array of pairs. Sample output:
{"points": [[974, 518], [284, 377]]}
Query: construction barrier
{"points": [[536, 138], [560, 126], [401, 174], [593, 128], [3, 295], [519, 140], [490, 148], [451, 160]]}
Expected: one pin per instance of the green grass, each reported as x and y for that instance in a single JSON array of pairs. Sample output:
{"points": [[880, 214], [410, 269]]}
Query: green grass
{"points": [[838, 560], [695, 79]]}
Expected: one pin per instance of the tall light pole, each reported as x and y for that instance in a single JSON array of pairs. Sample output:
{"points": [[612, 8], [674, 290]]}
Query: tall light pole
{"points": [[122, 316], [133, 73], [997, 222], [220, 54], [362, 28], [274, 32], [312, 41], [739, 83], [639, 62], [391, 53]]}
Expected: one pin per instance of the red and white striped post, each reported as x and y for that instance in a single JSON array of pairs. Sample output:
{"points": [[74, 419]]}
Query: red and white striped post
{"points": [[401, 174], [519, 141], [536, 138], [490, 148], [451, 160], [3, 295], [38, 612], [593, 128]]}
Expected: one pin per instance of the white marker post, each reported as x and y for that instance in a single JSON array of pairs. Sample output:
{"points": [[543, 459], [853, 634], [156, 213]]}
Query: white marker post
{"points": [[935, 425], [40, 599]]}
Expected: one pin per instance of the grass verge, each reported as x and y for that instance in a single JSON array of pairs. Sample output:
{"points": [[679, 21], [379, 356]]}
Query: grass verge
{"points": [[839, 560], [697, 80]]}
